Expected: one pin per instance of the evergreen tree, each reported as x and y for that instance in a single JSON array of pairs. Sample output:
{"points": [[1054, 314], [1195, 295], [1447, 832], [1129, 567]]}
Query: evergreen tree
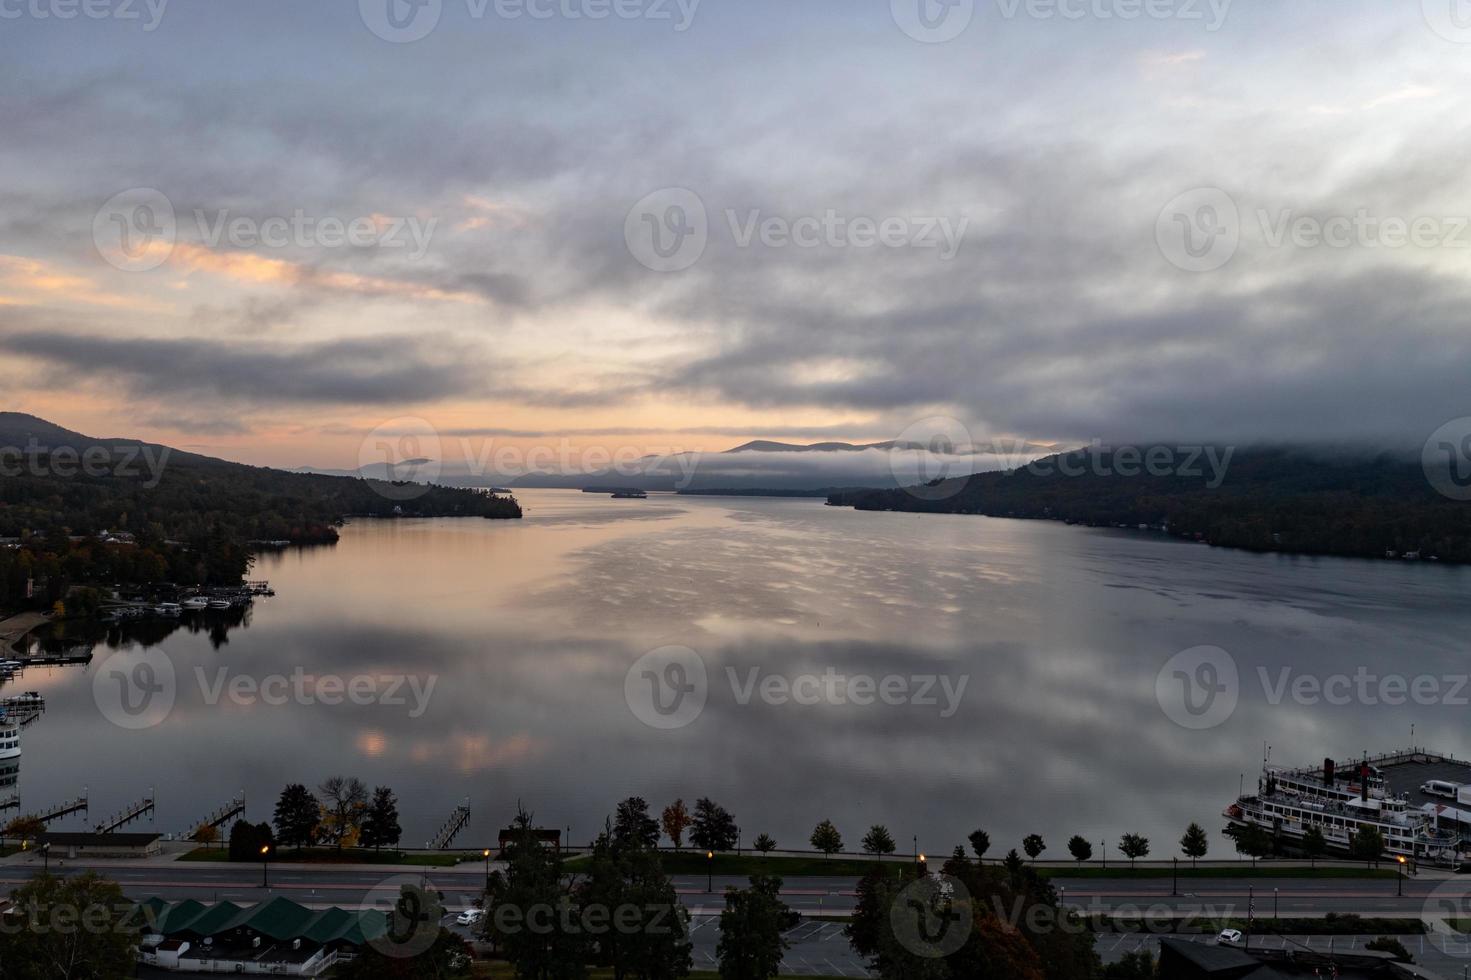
{"points": [[297, 816], [380, 823], [751, 930], [878, 840], [713, 828], [1194, 844], [632, 825]]}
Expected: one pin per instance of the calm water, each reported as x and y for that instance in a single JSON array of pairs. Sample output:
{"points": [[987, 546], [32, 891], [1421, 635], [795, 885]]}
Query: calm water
{"points": [[528, 629]]}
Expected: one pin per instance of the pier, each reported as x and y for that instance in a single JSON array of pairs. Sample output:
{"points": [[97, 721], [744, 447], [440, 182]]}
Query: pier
{"points": [[11, 802], [78, 805], [456, 823], [219, 817], [127, 814]]}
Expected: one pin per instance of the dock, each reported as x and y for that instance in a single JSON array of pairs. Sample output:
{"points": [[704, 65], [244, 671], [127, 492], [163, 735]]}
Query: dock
{"points": [[218, 817], [451, 828], [127, 814], [78, 805]]}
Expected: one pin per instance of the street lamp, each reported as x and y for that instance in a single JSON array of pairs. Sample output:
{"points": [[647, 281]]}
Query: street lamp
{"points": [[1399, 879], [710, 872], [1275, 913], [1175, 877], [486, 852], [46, 857], [265, 851]]}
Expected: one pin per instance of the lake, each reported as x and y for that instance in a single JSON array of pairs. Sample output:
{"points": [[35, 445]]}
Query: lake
{"points": [[932, 673]]}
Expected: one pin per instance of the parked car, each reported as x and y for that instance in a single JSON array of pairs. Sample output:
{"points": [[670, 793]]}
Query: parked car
{"points": [[1229, 937], [469, 917]]}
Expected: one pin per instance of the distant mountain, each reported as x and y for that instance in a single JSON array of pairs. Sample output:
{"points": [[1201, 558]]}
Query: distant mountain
{"points": [[767, 446], [1300, 500]]}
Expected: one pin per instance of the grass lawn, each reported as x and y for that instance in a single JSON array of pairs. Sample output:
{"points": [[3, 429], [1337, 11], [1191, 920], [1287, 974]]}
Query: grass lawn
{"points": [[1245, 871], [695, 863], [329, 855]]}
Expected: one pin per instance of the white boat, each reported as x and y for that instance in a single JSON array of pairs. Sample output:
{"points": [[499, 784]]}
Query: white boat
{"points": [[168, 609], [9, 739], [197, 602]]}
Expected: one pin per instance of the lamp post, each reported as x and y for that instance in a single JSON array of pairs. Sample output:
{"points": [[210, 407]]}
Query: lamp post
{"points": [[710, 872], [1399, 879], [1275, 913], [1175, 877], [486, 852], [46, 857], [265, 852], [1103, 851]]}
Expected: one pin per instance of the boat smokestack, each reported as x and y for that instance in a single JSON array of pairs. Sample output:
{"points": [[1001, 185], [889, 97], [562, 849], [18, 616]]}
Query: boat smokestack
{"points": [[1364, 782], [1328, 773]]}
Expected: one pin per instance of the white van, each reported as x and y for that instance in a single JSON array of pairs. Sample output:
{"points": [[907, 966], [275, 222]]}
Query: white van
{"points": [[1439, 787]]}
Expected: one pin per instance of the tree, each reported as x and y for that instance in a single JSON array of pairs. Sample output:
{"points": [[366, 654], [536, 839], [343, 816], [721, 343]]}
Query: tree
{"points": [[447, 958], [980, 842], [1134, 847], [26, 828], [380, 822], [246, 840], [33, 947], [957, 865], [676, 820], [1138, 965], [751, 930], [1079, 848], [713, 828], [1389, 944], [206, 834], [1367, 844], [1034, 845], [650, 936], [536, 893], [825, 838], [1251, 840], [344, 801], [1313, 845], [878, 840], [1014, 866], [764, 843], [632, 825], [297, 815], [1194, 844]]}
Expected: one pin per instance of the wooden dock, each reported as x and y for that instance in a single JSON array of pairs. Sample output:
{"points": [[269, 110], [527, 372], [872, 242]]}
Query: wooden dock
{"points": [[452, 827], [219, 817], [127, 814]]}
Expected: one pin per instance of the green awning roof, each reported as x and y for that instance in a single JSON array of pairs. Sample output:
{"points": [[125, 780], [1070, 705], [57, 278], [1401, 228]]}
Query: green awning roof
{"points": [[280, 919]]}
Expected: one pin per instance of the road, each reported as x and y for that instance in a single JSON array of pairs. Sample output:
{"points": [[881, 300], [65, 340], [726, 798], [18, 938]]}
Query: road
{"points": [[819, 948]]}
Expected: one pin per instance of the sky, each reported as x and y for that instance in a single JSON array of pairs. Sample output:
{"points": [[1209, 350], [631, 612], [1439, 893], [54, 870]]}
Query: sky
{"points": [[270, 230]]}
